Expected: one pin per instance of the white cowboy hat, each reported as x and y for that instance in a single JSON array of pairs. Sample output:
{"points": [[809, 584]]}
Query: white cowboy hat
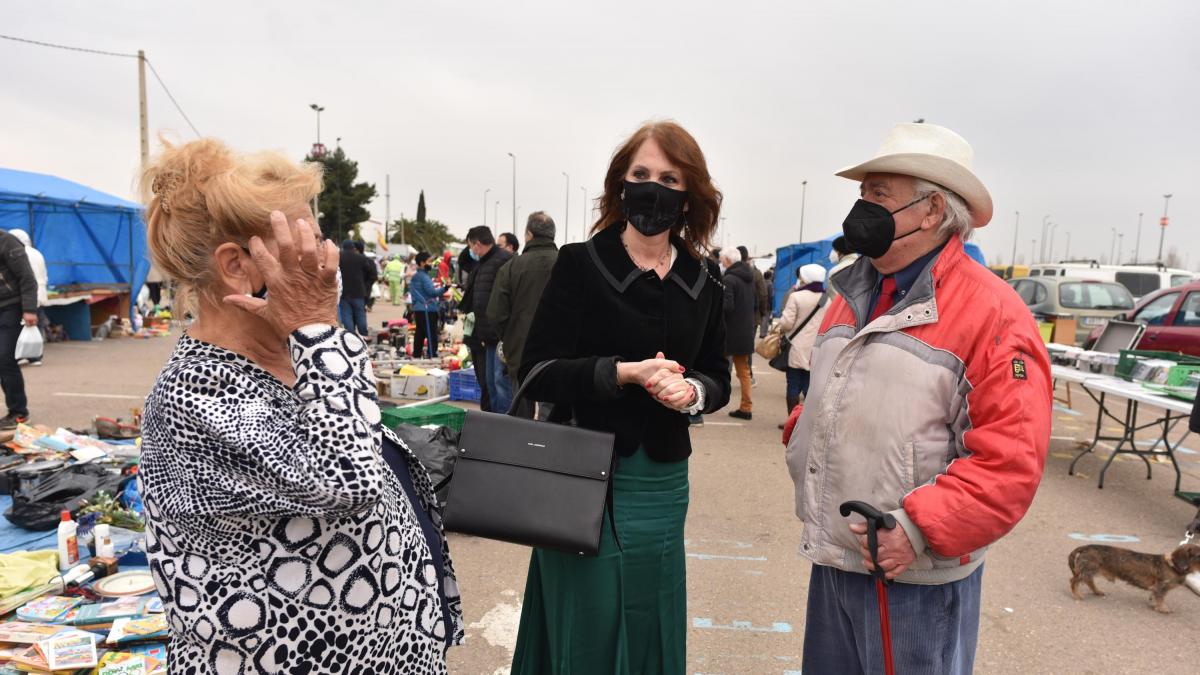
{"points": [[935, 154]]}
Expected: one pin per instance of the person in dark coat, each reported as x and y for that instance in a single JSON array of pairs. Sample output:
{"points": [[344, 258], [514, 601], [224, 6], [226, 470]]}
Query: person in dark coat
{"points": [[631, 322], [518, 290], [739, 324], [358, 275], [18, 307], [496, 393]]}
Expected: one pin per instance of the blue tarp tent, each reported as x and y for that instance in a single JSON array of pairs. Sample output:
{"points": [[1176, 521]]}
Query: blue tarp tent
{"points": [[789, 258], [88, 238]]}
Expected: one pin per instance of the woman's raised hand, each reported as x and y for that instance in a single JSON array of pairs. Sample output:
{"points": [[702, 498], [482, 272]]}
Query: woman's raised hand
{"points": [[301, 281]]}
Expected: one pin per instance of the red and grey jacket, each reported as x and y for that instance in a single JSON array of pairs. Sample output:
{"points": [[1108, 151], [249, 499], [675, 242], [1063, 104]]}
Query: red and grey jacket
{"points": [[937, 412]]}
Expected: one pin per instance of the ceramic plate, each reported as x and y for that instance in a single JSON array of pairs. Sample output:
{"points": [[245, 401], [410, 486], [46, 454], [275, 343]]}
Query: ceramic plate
{"points": [[124, 583]]}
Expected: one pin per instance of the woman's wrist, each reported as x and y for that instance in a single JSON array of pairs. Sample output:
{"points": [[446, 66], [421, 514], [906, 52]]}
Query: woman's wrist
{"points": [[624, 373]]}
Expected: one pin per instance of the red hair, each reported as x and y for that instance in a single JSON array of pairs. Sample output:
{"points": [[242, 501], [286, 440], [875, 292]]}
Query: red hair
{"points": [[704, 199]]}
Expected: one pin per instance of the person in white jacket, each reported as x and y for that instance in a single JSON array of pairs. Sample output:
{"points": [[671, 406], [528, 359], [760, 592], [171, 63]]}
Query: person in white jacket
{"points": [[37, 262], [803, 307]]}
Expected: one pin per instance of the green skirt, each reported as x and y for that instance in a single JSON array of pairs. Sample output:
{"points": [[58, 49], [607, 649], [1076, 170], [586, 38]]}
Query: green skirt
{"points": [[625, 610]]}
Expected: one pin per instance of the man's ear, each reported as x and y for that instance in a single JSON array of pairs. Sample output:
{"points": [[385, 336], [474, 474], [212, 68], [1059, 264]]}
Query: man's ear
{"points": [[937, 208]]}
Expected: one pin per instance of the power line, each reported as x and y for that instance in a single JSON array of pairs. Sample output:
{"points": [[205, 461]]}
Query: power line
{"points": [[176, 103], [162, 84], [73, 49]]}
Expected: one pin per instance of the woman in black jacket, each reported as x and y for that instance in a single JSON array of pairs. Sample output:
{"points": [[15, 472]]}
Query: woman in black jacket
{"points": [[633, 321]]}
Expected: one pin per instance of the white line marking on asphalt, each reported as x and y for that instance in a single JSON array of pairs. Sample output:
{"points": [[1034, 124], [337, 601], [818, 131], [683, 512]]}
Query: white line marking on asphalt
{"points": [[723, 424], [1107, 538], [118, 396], [776, 627]]}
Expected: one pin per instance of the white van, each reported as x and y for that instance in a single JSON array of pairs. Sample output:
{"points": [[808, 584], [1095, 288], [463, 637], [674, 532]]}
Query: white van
{"points": [[1139, 279]]}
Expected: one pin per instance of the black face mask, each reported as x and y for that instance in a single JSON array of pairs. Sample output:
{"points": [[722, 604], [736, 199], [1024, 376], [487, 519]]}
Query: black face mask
{"points": [[870, 229], [652, 208]]}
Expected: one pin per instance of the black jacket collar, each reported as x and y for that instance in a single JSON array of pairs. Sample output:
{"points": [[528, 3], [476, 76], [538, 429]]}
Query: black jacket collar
{"points": [[608, 252]]}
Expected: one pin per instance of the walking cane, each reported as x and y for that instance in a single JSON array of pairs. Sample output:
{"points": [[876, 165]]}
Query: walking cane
{"points": [[876, 520]]}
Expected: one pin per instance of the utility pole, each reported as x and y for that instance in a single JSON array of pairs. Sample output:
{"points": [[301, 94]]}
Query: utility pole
{"points": [[514, 223], [1050, 254], [485, 194], [143, 116], [1137, 245], [803, 194], [496, 215], [567, 212], [1163, 230], [1112, 246], [387, 208], [1120, 245]]}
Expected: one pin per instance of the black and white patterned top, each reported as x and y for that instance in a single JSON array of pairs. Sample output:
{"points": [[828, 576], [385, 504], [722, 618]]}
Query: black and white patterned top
{"points": [[279, 539]]}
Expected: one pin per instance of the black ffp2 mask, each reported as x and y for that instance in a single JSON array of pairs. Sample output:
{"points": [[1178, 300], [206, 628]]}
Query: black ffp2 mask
{"points": [[870, 229], [652, 208]]}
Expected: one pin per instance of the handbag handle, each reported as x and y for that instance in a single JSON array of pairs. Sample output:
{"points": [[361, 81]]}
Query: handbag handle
{"points": [[534, 373]]}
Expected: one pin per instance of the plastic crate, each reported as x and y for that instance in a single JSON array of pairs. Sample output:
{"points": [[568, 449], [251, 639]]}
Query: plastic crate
{"points": [[420, 415], [1178, 377], [1130, 356], [464, 386]]}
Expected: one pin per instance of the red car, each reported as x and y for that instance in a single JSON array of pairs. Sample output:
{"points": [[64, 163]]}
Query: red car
{"points": [[1172, 318]]}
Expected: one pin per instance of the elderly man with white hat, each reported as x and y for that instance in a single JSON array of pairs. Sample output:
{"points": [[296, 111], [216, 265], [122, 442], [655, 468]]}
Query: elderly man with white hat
{"points": [[930, 400]]}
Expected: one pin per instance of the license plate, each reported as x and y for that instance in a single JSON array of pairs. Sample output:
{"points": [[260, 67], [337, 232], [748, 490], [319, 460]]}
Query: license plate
{"points": [[1094, 321]]}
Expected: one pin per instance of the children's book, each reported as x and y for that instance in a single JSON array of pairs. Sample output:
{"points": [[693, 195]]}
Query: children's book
{"points": [[48, 609], [69, 651], [23, 632]]}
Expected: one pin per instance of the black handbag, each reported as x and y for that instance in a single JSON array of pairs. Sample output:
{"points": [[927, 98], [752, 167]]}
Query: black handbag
{"points": [[528, 482], [780, 361]]}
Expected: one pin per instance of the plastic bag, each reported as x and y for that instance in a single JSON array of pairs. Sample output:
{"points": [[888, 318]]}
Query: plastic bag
{"points": [[29, 344], [437, 449]]}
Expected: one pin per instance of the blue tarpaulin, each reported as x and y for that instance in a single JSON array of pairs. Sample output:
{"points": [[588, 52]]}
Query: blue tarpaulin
{"points": [[789, 258], [88, 237]]}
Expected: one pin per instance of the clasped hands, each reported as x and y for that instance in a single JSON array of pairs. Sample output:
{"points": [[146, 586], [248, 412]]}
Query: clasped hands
{"points": [[662, 378]]}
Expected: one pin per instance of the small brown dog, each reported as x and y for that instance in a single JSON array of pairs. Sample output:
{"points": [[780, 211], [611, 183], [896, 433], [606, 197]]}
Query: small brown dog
{"points": [[1155, 573]]}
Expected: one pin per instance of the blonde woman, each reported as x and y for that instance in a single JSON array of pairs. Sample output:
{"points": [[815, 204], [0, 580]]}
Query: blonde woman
{"points": [[279, 539]]}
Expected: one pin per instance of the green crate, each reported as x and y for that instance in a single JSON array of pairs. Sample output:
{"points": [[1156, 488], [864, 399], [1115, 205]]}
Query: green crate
{"points": [[419, 415], [1131, 356], [1178, 377]]}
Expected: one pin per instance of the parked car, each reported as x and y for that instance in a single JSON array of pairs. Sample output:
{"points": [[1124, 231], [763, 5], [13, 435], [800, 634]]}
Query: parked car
{"points": [[1091, 303], [1141, 280], [1172, 318]]}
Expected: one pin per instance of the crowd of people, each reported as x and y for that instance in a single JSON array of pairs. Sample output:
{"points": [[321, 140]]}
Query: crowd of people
{"points": [[915, 381]]}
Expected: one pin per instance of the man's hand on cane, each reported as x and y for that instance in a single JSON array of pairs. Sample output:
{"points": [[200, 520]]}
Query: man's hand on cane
{"points": [[895, 551]]}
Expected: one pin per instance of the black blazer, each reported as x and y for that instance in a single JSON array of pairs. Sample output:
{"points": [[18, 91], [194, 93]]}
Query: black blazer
{"points": [[599, 308]]}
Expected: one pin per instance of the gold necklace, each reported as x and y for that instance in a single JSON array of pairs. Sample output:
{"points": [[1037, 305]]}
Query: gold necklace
{"points": [[662, 259]]}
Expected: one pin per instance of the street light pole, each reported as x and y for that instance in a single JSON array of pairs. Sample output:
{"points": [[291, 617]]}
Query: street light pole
{"points": [[496, 215], [1042, 254], [1067, 254], [1163, 230], [567, 211], [485, 194], [1112, 246], [1016, 231], [803, 194], [317, 149], [1032, 248], [1120, 245], [1137, 245], [514, 222], [1051, 252]]}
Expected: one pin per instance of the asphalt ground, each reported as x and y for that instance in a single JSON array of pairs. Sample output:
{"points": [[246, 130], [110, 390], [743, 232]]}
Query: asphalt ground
{"points": [[746, 583]]}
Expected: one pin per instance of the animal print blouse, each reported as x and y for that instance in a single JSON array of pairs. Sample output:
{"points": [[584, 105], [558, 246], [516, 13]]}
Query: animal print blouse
{"points": [[279, 540]]}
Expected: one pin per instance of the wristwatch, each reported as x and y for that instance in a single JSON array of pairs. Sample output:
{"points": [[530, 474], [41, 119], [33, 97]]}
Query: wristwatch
{"points": [[698, 404]]}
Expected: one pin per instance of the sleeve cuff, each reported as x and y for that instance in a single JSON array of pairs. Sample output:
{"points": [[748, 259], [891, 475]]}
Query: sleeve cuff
{"points": [[698, 405], [910, 528], [604, 379]]}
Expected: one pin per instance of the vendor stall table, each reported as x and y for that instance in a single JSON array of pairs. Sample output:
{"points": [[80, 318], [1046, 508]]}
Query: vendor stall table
{"points": [[1102, 388]]}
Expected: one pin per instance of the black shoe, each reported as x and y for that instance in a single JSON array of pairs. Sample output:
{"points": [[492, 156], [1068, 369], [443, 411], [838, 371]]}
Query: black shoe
{"points": [[10, 421], [741, 415]]}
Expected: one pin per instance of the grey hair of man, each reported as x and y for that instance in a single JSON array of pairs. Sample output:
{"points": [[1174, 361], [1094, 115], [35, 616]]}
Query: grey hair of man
{"points": [[956, 217], [540, 224], [730, 256]]}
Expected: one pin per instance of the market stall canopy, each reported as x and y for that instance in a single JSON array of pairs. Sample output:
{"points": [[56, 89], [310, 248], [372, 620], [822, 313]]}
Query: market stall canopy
{"points": [[789, 258], [88, 237]]}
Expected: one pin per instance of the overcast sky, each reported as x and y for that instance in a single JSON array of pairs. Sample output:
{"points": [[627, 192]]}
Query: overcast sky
{"points": [[1085, 111]]}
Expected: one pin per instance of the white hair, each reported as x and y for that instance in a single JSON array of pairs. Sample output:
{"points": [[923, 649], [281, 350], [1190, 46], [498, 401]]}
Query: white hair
{"points": [[731, 256], [956, 218]]}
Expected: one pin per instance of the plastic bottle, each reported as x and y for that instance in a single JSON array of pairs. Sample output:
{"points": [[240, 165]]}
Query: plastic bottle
{"points": [[104, 545], [68, 544]]}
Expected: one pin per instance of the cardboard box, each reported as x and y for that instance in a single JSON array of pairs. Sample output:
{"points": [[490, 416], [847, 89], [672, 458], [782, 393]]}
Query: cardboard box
{"points": [[421, 387]]}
